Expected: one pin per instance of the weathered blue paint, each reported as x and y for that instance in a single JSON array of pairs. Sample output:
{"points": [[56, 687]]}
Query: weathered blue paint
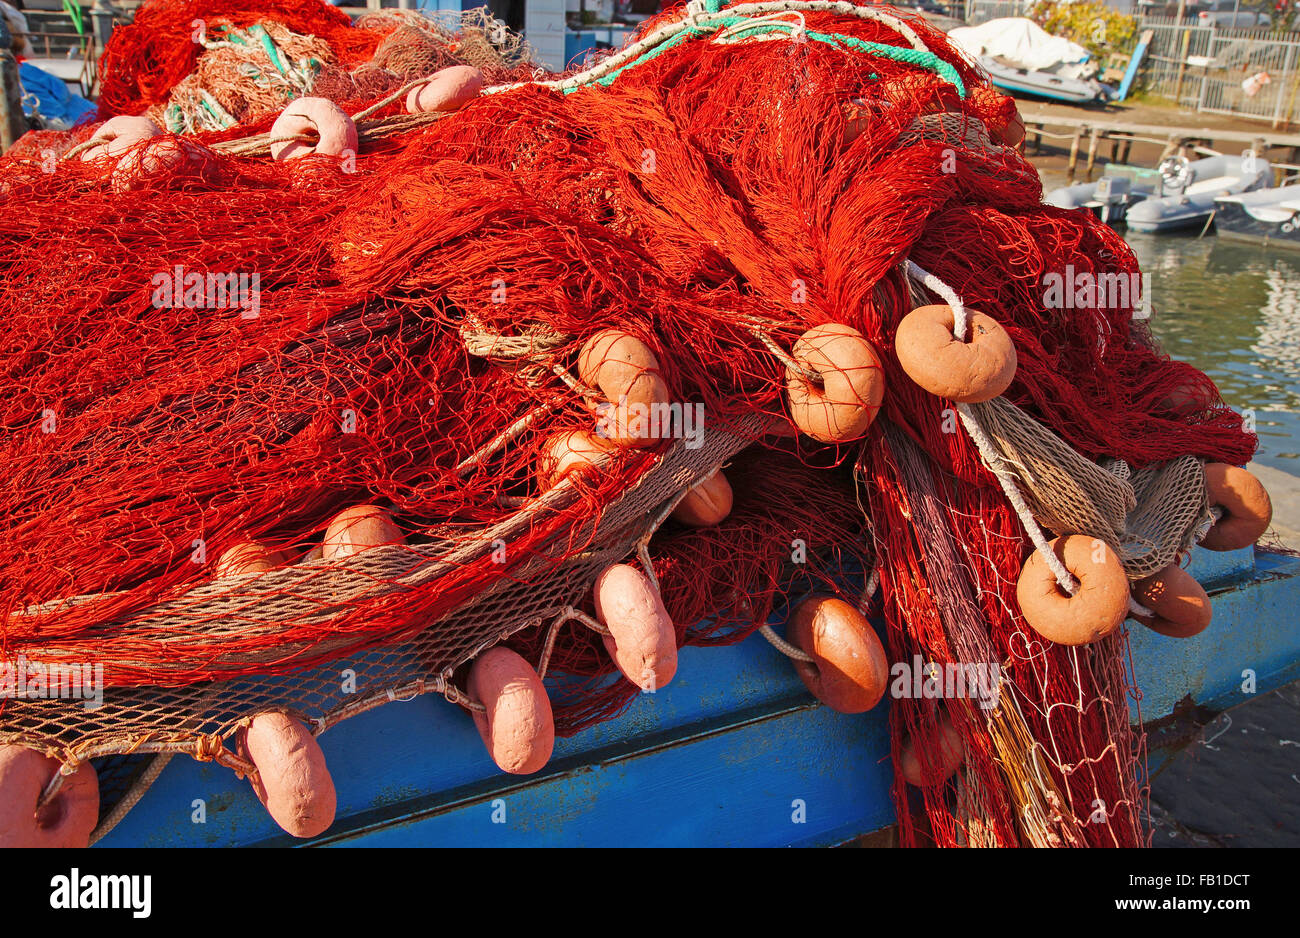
{"points": [[719, 757]]}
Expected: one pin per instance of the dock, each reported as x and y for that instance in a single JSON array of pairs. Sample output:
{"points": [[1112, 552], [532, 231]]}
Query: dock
{"points": [[1121, 135]]}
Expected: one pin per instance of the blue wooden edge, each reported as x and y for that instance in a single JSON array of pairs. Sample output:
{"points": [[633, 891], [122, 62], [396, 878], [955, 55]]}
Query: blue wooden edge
{"points": [[733, 752]]}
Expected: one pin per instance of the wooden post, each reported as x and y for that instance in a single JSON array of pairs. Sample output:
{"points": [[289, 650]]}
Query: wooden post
{"points": [[1093, 137], [1074, 155], [1182, 64], [12, 122]]}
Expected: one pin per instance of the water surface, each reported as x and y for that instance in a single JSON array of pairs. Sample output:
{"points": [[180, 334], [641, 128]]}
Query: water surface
{"points": [[1233, 311]]}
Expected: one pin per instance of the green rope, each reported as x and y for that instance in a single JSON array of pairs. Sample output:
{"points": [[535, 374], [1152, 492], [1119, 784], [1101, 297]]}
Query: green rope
{"points": [[921, 58]]}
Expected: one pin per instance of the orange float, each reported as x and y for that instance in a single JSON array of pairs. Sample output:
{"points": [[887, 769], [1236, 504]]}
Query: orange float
{"points": [[841, 405], [626, 372], [292, 781], [849, 671], [334, 130], [936, 766], [968, 372], [447, 89], [1180, 605], [1247, 509], [66, 820], [642, 640], [356, 529], [1095, 610], [249, 557], [706, 504], [517, 726]]}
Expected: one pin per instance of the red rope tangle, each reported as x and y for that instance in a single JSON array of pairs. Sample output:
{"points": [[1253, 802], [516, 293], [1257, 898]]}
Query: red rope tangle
{"points": [[710, 187]]}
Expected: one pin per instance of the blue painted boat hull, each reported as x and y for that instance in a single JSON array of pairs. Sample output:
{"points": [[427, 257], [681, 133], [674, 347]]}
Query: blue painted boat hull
{"points": [[733, 752]]}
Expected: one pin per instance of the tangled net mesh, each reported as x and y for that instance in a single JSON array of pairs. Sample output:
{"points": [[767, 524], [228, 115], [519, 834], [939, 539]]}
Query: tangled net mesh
{"points": [[417, 324]]}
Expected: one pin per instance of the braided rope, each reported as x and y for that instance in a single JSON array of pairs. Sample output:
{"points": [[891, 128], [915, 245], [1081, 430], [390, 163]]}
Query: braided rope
{"points": [[710, 18]]}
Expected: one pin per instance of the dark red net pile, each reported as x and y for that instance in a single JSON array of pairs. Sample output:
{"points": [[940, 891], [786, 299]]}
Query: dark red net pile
{"points": [[703, 191]]}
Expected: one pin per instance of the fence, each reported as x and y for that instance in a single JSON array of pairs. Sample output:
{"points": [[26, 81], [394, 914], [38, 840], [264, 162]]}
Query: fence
{"points": [[1206, 68]]}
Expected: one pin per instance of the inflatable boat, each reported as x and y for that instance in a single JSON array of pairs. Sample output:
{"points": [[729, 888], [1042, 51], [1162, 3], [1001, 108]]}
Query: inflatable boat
{"points": [[1267, 216], [1188, 190]]}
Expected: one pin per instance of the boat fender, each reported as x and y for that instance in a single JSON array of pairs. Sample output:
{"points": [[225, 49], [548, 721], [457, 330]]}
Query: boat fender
{"points": [[840, 404], [517, 726], [1247, 509], [938, 765], [626, 372], [968, 372], [117, 135], [356, 529], [335, 130], [642, 640], [1099, 604], [291, 780], [1180, 605], [849, 671], [66, 820], [448, 89], [706, 504]]}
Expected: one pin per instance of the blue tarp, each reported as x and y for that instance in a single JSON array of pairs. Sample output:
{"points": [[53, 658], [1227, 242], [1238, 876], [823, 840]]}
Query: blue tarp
{"points": [[48, 94]]}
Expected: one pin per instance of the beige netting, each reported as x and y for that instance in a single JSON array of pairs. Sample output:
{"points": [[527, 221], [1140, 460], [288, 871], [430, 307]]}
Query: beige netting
{"points": [[1147, 516], [201, 719]]}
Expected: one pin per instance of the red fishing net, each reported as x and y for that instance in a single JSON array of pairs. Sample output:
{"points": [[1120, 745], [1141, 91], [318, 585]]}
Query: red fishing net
{"points": [[712, 190]]}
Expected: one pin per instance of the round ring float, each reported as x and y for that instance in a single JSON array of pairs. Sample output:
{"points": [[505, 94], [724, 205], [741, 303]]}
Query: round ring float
{"points": [[334, 129], [249, 557], [844, 404], [292, 780], [1095, 610], [66, 820], [572, 451], [1182, 608], [849, 671], [117, 135], [448, 89], [356, 529], [1247, 509], [940, 765], [969, 372], [626, 372], [642, 640], [517, 727], [706, 504]]}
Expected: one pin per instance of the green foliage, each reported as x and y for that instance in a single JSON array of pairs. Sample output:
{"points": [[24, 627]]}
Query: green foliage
{"points": [[1092, 24]]}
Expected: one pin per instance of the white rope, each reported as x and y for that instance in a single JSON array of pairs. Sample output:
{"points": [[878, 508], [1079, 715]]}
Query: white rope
{"points": [[740, 32], [941, 289], [988, 452], [1137, 608], [784, 647]]}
